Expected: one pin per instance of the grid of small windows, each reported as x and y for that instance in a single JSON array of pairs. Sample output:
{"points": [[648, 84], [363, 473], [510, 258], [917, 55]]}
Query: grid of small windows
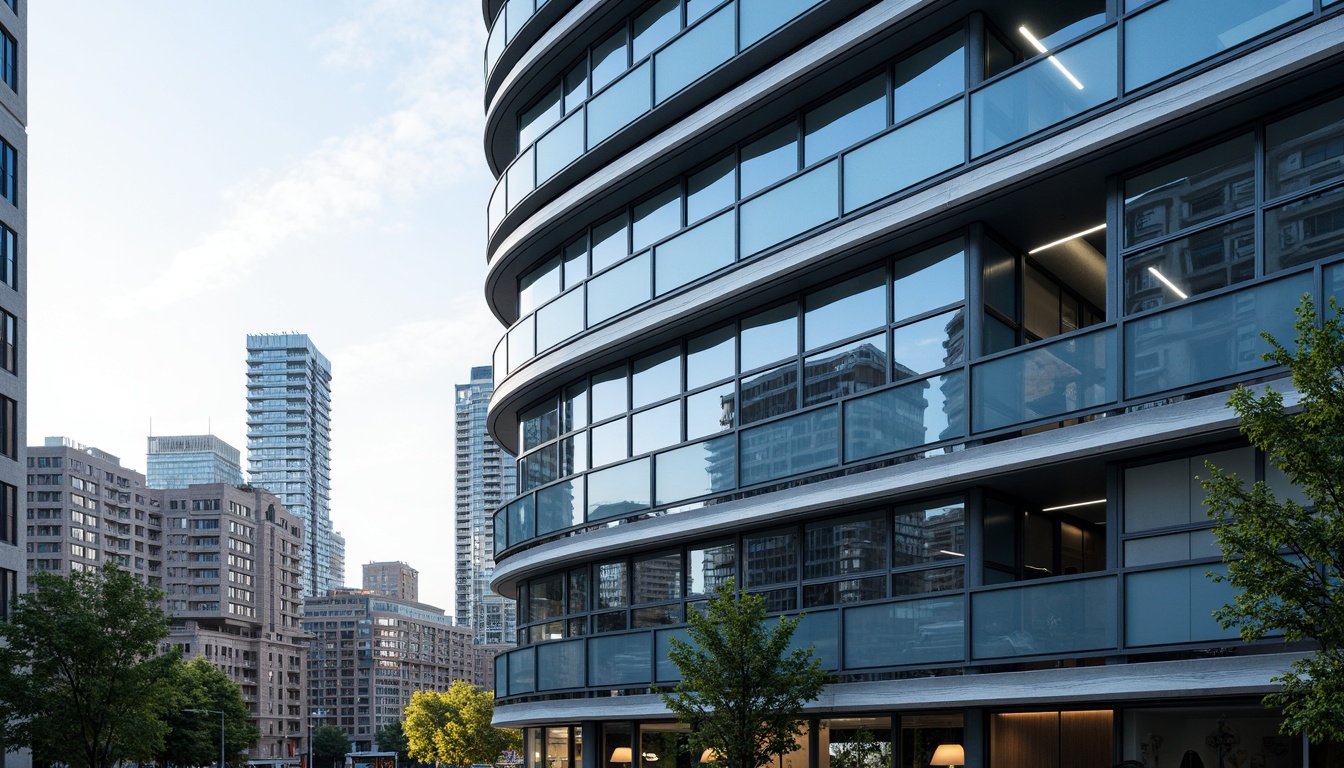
{"points": [[911, 550]]}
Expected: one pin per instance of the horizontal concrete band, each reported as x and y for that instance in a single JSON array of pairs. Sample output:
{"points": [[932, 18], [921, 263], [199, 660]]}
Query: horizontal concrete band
{"points": [[1103, 686]]}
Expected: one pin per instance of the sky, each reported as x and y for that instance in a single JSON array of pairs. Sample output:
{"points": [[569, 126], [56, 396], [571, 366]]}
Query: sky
{"points": [[198, 171]]}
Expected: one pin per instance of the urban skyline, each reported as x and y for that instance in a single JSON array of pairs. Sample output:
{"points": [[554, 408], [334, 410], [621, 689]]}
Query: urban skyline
{"points": [[351, 136]]}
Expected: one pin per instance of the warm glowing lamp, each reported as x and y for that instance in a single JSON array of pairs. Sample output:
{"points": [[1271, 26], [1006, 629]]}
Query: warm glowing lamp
{"points": [[949, 755], [710, 755], [621, 755]]}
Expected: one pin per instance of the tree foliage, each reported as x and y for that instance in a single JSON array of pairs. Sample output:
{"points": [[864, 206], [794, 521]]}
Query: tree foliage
{"points": [[1285, 559], [82, 679], [742, 690], [454, 727], [329, 746], [193, 738], [392, 738]]}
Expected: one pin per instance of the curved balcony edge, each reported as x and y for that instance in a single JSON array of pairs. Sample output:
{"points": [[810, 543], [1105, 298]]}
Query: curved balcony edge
{"points": [[654, 321], [599, 174], [1194, 418]]}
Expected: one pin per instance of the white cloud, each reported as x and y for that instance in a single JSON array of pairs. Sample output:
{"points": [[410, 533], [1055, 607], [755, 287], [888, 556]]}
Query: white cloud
{"points": [[430, 139]]}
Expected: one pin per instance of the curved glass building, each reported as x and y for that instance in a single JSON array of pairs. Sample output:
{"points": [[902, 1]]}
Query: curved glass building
{"points": [[917, 317]]}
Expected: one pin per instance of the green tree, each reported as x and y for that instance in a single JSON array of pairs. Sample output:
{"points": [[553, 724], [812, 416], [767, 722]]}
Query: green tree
{"points": [[329, 746], [392, 738], [194, 736], [1286, 559], [742, 690], [454, 727], [82, 676]]}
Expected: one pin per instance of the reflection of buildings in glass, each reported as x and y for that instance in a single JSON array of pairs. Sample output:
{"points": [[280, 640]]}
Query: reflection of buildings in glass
{"points": [[843, 373], [657, 579], [1183, 346], [1306, 230]]}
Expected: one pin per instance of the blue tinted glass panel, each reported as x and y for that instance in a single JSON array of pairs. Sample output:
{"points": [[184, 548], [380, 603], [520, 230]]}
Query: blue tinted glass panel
{"points": [[656, 377], [616, 107], [790, 446], [695, 53], [498, 204], [515, 13], [927, 345], [522, 342], [522, 178], [609, 59], [843, 371], [769, 159], [710, 411], [618, 289], [560, 319], [502, 672], [845, 120], [610, 244], [656, 218], [821, 631], [576, 261], [711, 357], [911, 632], [791, 208], [694, 253], [560, 665], [1175, 606], [609, 442], [696, 470], [907, 416], [609, 393], [1178, 33], [500, 360], [769, 393], [769, 336], [1044, 92], [1210, 339], [1305, 230], [656, 428], [521, 521], [522, 671], [494, 46], [576, 86], [1189, 191], [906, 156], [501, 529], [930, 76], [560, 147], [1305, 149], [559, 506], [667, 671], [656, 26], [620, 660], [1045, 381], [761, 17], [619, 490], [1334, 282], [711, 190], [540, 116], [538, 285], [1062, 617], [929, 279], [845, 309]]}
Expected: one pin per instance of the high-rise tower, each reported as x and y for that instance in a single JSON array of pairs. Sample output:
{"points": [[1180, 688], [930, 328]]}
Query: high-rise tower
{"points": [[919, 317], [289, 444], [485, 477]]}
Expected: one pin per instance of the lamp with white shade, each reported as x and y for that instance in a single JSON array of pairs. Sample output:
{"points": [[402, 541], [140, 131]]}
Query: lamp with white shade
{"points": [[949, 755]]}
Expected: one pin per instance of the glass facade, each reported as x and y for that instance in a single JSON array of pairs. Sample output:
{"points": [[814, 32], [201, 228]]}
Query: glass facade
{"points": [[919, 324]]}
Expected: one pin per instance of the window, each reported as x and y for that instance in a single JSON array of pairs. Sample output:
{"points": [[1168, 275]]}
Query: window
{"points": [[9, 429], [9, 172], [9, 514], [9, 590], [9, 61]]}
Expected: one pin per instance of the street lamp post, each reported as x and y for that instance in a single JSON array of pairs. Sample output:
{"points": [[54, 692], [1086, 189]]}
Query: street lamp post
{"points": [[221, 729], [314, 715]]}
